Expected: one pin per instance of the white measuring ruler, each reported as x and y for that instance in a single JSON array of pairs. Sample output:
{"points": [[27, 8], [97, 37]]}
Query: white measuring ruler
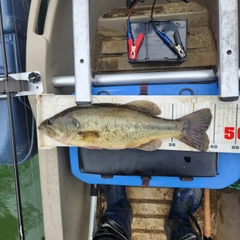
{"points": [[223, 133]]}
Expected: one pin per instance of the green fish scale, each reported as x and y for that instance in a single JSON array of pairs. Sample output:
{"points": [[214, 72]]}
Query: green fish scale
{"points": [[123, 125]]}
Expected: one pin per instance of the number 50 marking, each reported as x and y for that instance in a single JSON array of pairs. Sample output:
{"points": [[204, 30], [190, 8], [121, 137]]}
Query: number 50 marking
{"points": [[229, 133]]}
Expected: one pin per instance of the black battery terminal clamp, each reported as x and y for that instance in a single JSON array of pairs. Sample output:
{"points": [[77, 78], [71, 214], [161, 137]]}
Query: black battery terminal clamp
{"points": [[177, 47]]}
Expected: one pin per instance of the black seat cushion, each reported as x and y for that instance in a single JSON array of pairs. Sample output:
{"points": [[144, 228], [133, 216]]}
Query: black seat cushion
{"points": [[156, 163]]}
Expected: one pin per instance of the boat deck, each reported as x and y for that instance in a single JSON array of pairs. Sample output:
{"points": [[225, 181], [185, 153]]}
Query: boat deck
{"points": [[150, 208]]}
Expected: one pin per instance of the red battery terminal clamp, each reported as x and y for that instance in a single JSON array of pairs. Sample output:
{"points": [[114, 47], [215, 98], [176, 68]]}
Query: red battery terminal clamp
{"points": [[133, 48]]}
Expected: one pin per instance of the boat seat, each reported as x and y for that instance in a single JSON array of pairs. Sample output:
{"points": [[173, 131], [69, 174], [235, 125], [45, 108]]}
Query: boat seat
{"points": [[213, 170], [132, 162]]}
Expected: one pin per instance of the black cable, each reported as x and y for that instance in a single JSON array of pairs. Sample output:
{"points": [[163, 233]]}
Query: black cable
{"points": [[12, 135], [153, 24]]}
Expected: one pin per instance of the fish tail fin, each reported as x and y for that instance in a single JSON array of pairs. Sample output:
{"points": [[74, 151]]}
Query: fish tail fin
{"points": [[195, 126]]}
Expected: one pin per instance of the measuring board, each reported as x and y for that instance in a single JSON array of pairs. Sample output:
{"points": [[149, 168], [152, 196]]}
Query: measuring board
{"points": [[223, 133]]}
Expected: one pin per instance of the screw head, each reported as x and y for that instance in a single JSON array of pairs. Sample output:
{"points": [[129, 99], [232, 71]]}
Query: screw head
{"points": [[34, 77]]}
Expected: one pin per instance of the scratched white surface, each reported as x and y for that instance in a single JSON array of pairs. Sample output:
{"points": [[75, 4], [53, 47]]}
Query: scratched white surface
{"points": [[225, 114]]}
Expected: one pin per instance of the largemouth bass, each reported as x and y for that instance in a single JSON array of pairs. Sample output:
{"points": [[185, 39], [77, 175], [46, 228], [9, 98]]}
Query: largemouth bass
{"points": [[134, 125]]}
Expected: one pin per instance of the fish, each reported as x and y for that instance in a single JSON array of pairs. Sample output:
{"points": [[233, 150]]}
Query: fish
{"points": [[120, 126]]}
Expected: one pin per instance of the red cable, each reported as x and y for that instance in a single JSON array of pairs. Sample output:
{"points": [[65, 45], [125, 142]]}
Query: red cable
{"points": [[131, 9]]}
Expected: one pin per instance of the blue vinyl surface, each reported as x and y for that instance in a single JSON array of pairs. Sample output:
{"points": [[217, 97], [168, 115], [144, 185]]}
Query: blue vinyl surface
{"points": [[228, 165]]}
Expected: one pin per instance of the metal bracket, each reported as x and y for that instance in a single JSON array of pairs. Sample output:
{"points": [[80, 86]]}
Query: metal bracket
{"points": [[21, 84], [13, 86], [146, 181]]}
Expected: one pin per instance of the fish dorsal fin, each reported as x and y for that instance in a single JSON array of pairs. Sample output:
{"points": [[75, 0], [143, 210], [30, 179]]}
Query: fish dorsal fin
{"points": [[146, 105]]}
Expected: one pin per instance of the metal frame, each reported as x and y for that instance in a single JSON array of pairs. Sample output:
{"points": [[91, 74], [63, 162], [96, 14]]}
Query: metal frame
{"points": [[193, 76], [228, 62], [82, 51], [141, 78], [228, 50], [93, 213]]}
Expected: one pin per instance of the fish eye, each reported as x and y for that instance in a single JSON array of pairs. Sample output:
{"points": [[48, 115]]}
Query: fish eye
{"points": [[50, 121]]}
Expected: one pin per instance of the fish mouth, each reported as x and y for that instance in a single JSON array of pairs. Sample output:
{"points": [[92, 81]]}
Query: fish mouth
{"points": [[47, 130], [40, 127]]}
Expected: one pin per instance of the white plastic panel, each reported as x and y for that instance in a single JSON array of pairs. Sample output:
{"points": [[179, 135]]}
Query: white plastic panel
{"points": [[223, 133]]}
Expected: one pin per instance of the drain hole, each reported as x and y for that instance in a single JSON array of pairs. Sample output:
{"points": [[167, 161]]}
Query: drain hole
{"points": [[187, 159]]}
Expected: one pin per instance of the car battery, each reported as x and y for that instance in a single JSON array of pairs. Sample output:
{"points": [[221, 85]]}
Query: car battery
{"points": [[152, 48]]}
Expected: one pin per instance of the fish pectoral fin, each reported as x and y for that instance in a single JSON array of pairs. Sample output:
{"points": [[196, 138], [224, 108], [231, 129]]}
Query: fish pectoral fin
{"points": [[150, 146], [88, 135], [146, 105]]}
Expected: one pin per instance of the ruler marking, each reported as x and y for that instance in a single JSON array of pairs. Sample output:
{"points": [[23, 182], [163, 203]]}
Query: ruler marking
{"points": [[214, 123], [236, 125]]}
